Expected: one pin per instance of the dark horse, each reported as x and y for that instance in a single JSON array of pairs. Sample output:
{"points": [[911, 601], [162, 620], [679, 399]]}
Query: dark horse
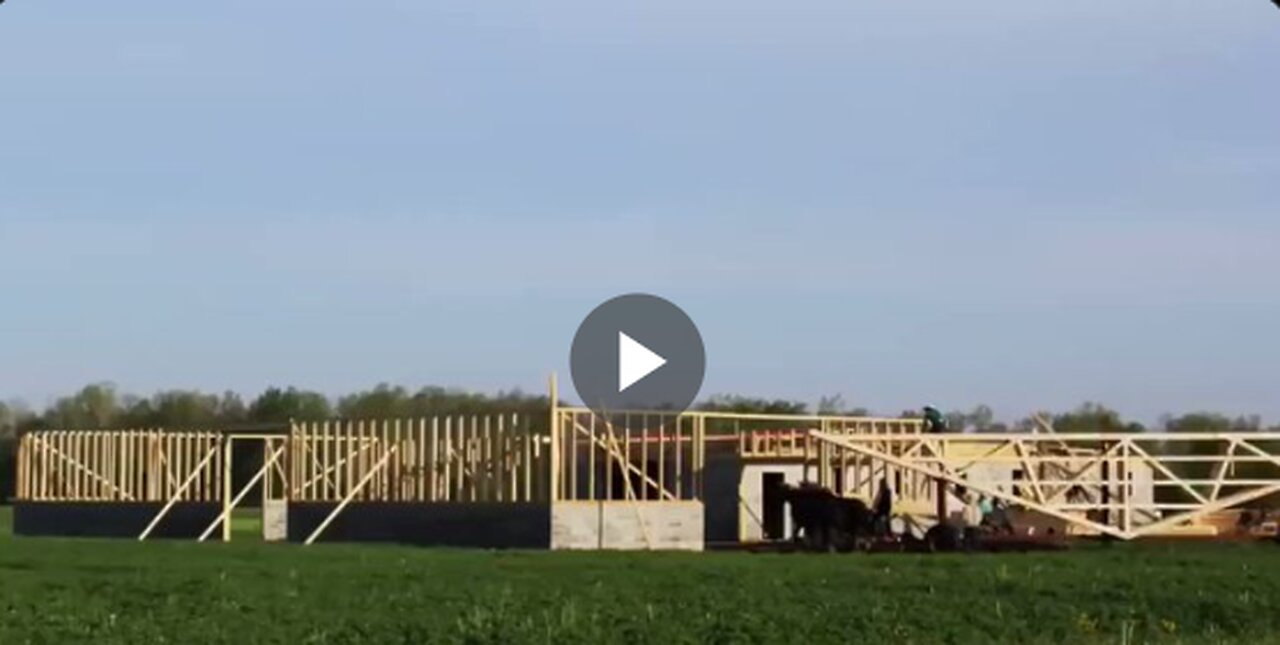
{"points": [[822, 520]]}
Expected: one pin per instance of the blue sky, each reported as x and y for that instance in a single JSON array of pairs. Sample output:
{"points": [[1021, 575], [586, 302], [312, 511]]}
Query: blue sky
{"points": [[1023, 204]]}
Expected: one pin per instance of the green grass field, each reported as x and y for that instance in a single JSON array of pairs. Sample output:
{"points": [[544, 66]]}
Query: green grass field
{"points": [[57, 591]]}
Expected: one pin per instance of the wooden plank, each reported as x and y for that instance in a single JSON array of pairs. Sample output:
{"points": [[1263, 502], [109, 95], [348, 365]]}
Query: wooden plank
{"points": [[486, 460], [555, 430], [474, 447], [1221, 476], [435, 493], [592, 493], [446, 461], [23, 456], [502, 452], [679, 458], [529, 468]]}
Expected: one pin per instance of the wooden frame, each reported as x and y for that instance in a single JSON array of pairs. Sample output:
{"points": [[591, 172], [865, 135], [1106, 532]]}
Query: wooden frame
{"points": [[119, 466], [1101, 468], [457, 458], [271, 474], [648, 456], [1123, 485]]}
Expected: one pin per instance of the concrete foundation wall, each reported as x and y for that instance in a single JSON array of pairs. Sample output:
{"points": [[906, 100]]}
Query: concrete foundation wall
{"points": [[483, 525], [275, 520], [112, 519], [623, 525]]}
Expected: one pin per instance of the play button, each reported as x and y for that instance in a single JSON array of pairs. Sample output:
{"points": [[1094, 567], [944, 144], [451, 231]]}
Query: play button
{"points": [[635, 361], [637, 352]]}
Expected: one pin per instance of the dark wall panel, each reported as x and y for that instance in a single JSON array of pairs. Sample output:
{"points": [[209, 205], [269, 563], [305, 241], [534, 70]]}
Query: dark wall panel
{"points": [[112, 519], [525, 526], [721, 480]]}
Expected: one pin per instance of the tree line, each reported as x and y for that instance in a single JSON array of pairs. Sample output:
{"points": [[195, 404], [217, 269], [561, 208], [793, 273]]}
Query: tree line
{"points": [[102, 405]]}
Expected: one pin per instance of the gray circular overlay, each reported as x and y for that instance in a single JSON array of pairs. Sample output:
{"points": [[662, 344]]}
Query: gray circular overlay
{"points": [[637, 352]]}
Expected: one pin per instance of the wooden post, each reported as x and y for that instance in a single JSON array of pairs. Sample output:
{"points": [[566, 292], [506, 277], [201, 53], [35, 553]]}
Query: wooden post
{"points": [[940, 486], [555, 440], [434, 461], [228, 441]]}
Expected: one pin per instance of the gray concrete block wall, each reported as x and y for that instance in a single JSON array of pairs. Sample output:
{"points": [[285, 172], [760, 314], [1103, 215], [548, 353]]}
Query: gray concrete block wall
{"points": [[626, 525]]}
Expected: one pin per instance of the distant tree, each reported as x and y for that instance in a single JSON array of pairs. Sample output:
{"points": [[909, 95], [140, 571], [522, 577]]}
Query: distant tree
{"points": [[1094, 418], [383, 401], [832, 405], [751, 405], [94, 406], [186, 409], [982, 418], [230, 409], [13, 419], [1199, 422], [277, 405], [1196, 422]]}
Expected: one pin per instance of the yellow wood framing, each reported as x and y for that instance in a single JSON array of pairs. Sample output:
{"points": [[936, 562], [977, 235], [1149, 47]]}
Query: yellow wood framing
{"points": [[1108, 464], [276, 446], [481, 458], [115, 466]]}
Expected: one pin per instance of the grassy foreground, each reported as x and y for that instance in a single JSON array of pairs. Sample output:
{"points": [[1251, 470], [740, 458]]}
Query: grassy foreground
{"points": [[56, 591]]}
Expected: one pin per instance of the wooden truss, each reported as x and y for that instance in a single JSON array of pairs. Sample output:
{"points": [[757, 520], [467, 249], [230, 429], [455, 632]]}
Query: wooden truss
{"points": [[1124, 485]]}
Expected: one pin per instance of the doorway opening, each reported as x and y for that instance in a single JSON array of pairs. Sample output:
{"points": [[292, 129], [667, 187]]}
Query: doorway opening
{"points": [[774, 512]]}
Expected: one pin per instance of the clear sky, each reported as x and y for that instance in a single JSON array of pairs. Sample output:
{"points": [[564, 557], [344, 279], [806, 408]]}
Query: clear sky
{"points": [[1020, 203]]}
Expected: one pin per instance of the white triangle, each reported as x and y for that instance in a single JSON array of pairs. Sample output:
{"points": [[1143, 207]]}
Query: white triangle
{"points": [[635, 361]]}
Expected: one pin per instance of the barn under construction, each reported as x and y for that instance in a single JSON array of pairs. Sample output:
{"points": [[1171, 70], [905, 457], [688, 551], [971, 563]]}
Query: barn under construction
{"points": [[628, 480]]}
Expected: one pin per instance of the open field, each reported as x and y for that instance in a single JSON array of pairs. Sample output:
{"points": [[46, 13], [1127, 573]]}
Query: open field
{"points": [[57, 590]]}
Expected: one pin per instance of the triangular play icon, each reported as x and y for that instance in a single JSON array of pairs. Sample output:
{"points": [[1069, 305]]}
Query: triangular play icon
{"points": [[635, 361]]}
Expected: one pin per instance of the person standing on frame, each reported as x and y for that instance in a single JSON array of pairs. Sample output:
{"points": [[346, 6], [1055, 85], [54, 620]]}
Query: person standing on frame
{"points": [[934, 422]]}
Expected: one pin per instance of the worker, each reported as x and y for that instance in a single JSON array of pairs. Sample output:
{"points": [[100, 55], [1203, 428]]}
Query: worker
{"points": [[883, 507], [933, 420], [985, 506], [972, 511], [971, 520], [996, 516]]}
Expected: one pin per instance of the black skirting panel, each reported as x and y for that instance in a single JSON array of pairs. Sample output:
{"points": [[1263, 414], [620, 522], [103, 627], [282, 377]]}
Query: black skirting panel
{"points": [[482, 525], [112, 519]]}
